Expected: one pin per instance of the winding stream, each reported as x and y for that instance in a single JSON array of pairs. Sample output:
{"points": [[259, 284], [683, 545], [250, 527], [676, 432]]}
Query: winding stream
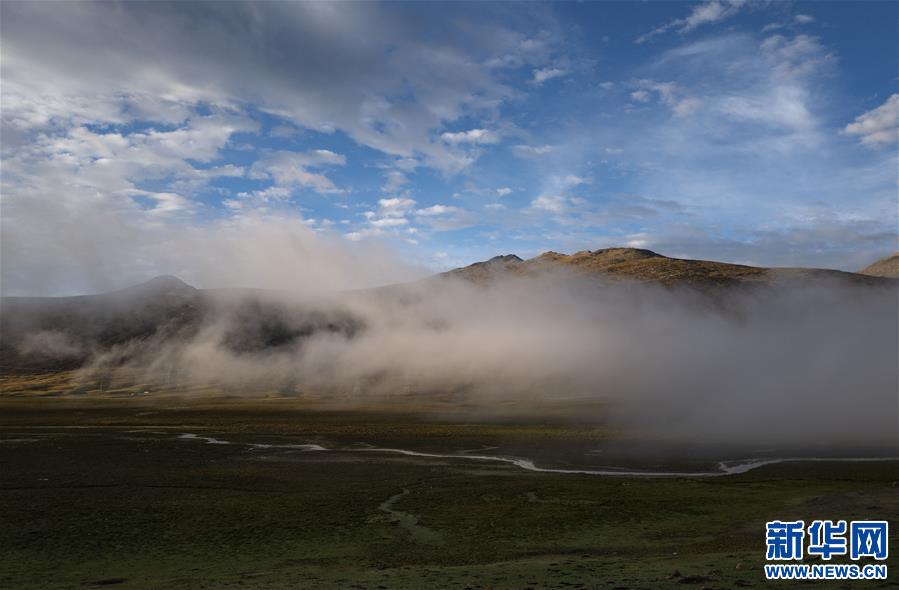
{"points": [[734, 467]]}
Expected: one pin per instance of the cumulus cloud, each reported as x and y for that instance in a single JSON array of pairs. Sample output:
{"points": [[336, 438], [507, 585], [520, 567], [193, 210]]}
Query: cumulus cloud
{"points": [[258, 199], [167, 203], [389, 218], [434, 210], [72, 194], [878, 127], [168, 60], [395, 207], [385, 222], [136, 117], [550, 203], [287, 169]]}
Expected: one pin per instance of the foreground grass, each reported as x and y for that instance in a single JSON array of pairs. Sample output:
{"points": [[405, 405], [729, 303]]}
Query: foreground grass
{"points": [[102, 506]]}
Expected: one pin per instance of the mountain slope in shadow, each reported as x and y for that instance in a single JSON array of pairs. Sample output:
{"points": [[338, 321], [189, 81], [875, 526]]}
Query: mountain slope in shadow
{"points": [[60, 333]]}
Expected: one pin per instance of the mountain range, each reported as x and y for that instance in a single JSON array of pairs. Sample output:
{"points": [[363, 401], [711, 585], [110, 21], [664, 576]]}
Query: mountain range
{"points": [[57, 333], [634, 264]]}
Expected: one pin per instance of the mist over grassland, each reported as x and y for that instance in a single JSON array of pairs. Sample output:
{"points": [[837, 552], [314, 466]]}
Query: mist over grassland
{"points": [[786, 361]]}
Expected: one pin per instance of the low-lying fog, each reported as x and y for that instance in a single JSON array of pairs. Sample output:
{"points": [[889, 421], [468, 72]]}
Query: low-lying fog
{"points": [[801, 362]]}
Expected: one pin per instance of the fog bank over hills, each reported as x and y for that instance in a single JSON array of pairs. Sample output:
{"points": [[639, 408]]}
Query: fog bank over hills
{"points": [[678, 347]]}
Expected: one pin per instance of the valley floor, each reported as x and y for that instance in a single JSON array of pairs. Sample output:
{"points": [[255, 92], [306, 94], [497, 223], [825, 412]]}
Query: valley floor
{"points": [[137, 493]]}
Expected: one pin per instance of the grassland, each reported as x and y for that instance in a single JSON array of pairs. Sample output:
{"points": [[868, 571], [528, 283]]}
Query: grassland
{"points": [[105, 492]]}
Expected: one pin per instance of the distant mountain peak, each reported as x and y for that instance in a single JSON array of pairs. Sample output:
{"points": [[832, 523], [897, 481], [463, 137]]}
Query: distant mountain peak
{"points": [[488, 268], [630, 253], [161, 286], [624, 253], [167, 282], [505, 258]]}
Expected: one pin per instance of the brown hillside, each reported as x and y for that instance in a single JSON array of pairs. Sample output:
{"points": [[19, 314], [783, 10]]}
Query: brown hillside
{"points": [[885, 267], [639, 265]]}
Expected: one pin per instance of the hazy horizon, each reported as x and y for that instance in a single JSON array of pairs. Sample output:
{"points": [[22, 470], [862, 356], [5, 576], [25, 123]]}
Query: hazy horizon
{"points": [[402, 274]]}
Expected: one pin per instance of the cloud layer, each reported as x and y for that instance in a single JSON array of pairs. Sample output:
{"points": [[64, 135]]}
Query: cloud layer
{"points": [[736, 131]]}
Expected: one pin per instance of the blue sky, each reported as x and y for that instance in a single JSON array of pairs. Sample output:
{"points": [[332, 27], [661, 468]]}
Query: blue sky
{"points": [[752, 132]]}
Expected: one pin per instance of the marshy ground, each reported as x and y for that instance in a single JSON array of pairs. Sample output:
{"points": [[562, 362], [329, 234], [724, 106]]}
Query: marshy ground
{"points": [[110, 492]]}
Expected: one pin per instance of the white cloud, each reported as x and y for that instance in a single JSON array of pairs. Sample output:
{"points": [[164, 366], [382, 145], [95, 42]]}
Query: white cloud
{"points": [[640, 95], [259, 199], [573, 180], [286, 66], [766, 117], [386, 220], [502, 192], [541, 75], [395, 181], [445, 217], [167, 203], [478, 136], [95, 183], [878, 127], [389, 222], [395, 207], [671, 94], [771, 84], [288, 168], [551, 203], [783, 107], [795, 57], [437, 210], [407, 164], [701, 14], [804, 19]]}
